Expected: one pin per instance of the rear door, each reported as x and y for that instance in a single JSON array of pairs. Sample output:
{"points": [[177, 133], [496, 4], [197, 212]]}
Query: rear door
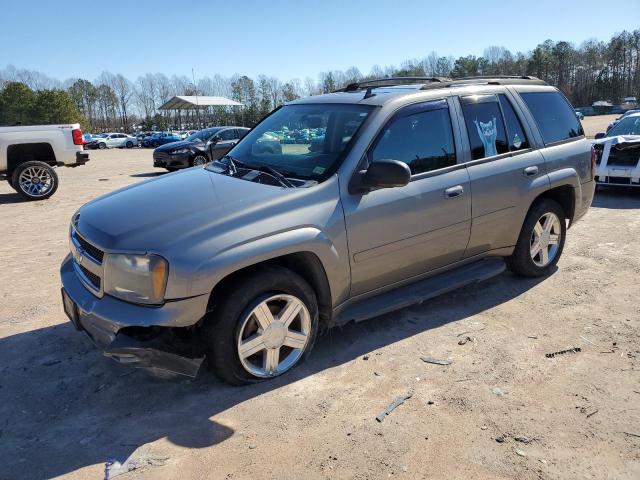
{"points": [[506, 172], [398, 233]]}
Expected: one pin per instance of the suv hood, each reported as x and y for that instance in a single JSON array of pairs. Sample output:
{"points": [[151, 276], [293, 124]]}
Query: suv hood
{"points": [[160, 213]]}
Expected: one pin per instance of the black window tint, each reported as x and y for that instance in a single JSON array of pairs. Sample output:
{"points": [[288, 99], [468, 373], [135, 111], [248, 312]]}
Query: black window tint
{"points": [[515, 134], [422, 140], [485, 127], [226, 134], [555, 118], [241, 132]]}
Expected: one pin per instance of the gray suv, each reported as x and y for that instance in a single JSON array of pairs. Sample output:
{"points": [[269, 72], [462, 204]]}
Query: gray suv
{"points": [[379, 196]]}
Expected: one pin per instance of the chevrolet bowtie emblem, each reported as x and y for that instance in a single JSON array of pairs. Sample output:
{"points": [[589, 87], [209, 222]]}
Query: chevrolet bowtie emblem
{"points": [[78, 256]]}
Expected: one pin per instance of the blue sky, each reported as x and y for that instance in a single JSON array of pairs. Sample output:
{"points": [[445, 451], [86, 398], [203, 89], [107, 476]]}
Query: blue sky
{"points": [[288, 39]]}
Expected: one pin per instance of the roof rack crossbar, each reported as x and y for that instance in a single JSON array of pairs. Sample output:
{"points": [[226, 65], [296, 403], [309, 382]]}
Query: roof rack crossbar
{"points": [[389, 82]]}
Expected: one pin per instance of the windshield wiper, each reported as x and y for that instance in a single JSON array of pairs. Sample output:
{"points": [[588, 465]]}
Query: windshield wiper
{"points": [[234, 163]]}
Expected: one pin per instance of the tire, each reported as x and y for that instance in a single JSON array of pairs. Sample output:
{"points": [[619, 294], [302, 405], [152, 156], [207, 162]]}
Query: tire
{"points": [[34, 180], [10, 182], [171, 169], [199, 159], [525, 261], [234, 321], [102, 145], [129, 145]]}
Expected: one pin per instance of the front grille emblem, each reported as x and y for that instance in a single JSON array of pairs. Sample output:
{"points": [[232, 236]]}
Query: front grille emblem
{"points": [[79, 255]]}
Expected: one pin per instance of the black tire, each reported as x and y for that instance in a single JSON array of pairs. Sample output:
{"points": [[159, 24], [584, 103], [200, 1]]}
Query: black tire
{"points": [[129, 145], [172, 169], [10, 182], [222, 327], [44, 172], [102, 145], [521, 262]]}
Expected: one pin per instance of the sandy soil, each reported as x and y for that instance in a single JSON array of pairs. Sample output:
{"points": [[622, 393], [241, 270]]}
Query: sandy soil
{"points": [[65, 410], [596, 124]]}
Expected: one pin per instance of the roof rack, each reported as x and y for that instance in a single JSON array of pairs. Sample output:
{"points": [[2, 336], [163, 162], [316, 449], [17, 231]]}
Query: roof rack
{"points": [[390, 82], [441, 82]]}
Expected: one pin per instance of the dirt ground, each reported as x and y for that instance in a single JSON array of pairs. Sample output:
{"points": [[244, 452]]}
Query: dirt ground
{"points": [[65, 410]]}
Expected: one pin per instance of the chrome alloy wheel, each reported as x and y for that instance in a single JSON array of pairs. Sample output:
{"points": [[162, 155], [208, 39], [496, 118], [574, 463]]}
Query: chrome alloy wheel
{"points": [[200, 160], [35, 181], [545, 239], [274, 336]]}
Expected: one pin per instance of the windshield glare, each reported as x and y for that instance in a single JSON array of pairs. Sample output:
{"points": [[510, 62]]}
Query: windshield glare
{"points": [[305, 142], [626, 126]]}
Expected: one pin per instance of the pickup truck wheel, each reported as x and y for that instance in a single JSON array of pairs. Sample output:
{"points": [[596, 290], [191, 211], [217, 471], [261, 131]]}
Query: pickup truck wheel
{"points": [[102, 145], [34, 180], [266, 325], [541, 240]]}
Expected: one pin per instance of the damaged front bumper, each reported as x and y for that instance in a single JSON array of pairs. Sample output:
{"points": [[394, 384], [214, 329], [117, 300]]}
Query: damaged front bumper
{"points": [[154, 338], [618, 161]]}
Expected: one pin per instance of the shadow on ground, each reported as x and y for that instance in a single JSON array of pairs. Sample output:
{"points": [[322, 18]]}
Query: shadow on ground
{"points": [[7, 198], [147, 174], [64, 406], [617, 198]]}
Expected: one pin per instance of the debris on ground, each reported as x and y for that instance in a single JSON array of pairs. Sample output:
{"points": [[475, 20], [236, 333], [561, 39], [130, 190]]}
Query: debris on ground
{"points": [[393, 405], [114, 468], [562, 352], [522, 439], [520, 452], [632, 434], [592, 413], [366, 357], [465, 340], [501, 439], [498, 391], [435, 361]]}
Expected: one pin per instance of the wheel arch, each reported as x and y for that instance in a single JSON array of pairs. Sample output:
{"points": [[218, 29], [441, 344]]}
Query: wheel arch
{"points": [[305, 263], [20, 153]]}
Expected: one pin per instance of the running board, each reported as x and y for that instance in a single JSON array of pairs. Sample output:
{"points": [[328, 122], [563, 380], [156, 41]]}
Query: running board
{"points": [[421, 290]]}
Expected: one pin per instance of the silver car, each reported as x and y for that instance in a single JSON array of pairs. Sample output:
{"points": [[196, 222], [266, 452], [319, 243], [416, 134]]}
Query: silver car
{"points": [[413, 187]]}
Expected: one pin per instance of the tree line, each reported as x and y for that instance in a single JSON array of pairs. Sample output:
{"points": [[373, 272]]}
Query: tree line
{"points": [[594, 70]]}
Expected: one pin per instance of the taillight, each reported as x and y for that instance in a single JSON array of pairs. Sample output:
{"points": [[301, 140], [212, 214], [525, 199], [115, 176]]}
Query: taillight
{"points": [[77, 137], [593, 163]]}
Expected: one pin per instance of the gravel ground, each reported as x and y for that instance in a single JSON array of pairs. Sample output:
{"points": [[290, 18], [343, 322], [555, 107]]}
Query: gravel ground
{"points": [[65, 410]]}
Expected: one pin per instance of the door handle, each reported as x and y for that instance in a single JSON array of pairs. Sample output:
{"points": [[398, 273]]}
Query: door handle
{"points": [[453, 192], [530, 171]]}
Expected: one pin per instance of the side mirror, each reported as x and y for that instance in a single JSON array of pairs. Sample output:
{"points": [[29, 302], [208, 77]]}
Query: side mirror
{"points": [[600, 135], [381, 174]]}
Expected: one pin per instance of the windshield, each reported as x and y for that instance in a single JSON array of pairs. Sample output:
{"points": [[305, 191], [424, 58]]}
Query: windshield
{"points": [[626, 126], [304, 142], [202, 134]]}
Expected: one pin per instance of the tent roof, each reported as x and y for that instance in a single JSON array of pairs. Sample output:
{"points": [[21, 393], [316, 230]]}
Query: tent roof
{"points": [[182, 102]]}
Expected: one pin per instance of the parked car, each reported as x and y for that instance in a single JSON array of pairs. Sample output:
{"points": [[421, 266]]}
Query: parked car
{"points": [[112, 140], [618, 153], [198, 148], [29, 155], [160, 138], [416, 191], [625, 114]]}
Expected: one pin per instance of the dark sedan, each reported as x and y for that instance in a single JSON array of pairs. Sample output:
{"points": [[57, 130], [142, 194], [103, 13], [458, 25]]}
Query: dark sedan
{"points": [[198, 148]]}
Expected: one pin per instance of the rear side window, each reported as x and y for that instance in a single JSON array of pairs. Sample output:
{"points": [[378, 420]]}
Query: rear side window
{"points": [[516, 138], [423, 140], [485, 126], [555, 118]]}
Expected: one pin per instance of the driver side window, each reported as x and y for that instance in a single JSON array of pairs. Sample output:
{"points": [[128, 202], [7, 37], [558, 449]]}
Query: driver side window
{"points": [[420, 136], [226, 135]]}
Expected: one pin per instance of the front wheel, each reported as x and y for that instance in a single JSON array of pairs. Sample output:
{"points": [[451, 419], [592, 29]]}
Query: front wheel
{"points": [[199, 159], [265, 326], [35, 180], [541, 240], [102, 145]]}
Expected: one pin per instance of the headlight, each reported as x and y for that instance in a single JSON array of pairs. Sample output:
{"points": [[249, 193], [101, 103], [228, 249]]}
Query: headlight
{"points": [[136, 278], [182, 150]]}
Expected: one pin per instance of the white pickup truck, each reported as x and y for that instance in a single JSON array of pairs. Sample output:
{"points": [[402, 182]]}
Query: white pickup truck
{"points": [[28, 155]]}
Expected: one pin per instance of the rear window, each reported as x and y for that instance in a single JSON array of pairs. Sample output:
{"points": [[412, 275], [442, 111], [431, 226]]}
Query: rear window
{"points": [[555, 118]]}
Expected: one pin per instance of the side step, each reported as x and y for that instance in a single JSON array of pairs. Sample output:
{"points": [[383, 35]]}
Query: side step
{"points": [[421, 290]]}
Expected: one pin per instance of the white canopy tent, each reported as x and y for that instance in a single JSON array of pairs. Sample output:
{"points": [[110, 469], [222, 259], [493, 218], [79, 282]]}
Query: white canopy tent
{"points": [[197, 103]]}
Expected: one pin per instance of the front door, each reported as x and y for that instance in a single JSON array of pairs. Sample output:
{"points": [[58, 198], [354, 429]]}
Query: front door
{"points": [[398, 233], [226, 140]]}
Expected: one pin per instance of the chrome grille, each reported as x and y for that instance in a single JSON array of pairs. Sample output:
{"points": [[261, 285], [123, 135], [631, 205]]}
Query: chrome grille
{"points": [[87, 262]]}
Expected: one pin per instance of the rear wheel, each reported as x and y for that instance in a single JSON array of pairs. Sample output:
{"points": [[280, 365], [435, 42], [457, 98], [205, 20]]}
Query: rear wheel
{"points": [[265, 326], [129, 144], [34, 180], [541, 240], [102, 145]]}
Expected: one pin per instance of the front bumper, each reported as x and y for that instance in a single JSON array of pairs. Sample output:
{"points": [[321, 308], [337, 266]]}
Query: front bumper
{"points": [[136, 334], [167, 160]]}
